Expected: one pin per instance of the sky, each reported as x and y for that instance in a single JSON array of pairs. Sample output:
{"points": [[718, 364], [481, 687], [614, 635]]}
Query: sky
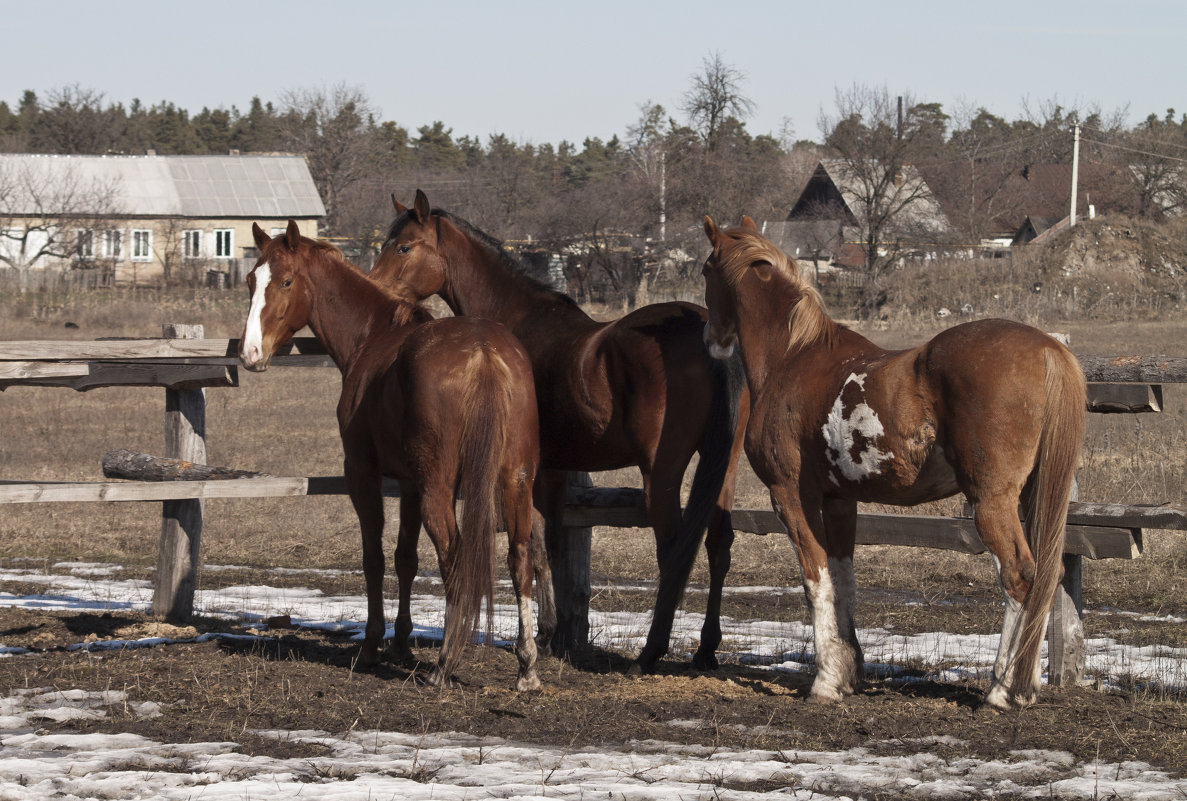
{"points": [[37, 763], [542, 72]]}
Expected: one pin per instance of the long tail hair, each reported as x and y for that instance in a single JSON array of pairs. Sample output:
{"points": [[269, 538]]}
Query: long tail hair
{"points": [[486, 404], [1046, 514]]}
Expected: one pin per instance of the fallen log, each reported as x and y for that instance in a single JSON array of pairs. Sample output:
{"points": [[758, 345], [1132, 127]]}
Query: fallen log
{"points": [[123, 463]]}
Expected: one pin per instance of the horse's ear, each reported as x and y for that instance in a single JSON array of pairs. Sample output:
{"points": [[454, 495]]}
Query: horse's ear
{"points": [[292, 235], [421, 205], [258, 233], [400, 207], [748, 223], [711, 230]]}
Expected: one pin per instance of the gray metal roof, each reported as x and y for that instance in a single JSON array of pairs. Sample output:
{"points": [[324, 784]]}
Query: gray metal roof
{"points": [[165, 186]]}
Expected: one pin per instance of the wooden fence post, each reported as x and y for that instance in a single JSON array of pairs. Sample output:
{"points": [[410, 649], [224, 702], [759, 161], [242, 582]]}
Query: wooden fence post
{"points": [[569, 558], [181, 520]]}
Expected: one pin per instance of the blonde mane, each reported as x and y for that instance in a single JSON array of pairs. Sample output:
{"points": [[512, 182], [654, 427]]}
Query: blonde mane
{"points": [[808, 322]]}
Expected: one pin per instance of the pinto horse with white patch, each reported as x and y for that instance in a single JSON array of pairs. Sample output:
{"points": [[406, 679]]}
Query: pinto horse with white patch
{"points": [[447, 407], [992, 408]]}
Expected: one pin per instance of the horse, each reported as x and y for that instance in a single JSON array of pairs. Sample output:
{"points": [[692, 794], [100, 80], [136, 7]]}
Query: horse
{"points": [[992, 408], [640, 390], [446, 407]]}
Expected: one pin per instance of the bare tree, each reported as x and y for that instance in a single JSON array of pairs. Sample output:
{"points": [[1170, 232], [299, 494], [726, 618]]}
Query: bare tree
{"points": [[50, 213], [714, 97], [871, 139], [335, 129]]}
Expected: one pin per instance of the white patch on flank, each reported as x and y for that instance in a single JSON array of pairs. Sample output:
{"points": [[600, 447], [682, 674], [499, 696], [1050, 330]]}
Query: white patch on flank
{"points": [[839, 431], [253, 334]]}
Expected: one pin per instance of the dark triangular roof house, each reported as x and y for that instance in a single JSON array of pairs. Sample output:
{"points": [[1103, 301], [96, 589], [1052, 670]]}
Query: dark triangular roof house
{"points": [[825, 221]]}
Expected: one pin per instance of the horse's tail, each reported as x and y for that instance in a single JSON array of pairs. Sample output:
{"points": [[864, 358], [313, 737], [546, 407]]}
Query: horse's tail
{"points": [[715, 448], [486, 408], [1060, 438]]}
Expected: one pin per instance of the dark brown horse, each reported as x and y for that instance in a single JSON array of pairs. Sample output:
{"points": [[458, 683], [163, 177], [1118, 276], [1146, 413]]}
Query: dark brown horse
{"points": [[992, 408], [641, 390], [446, 407]]}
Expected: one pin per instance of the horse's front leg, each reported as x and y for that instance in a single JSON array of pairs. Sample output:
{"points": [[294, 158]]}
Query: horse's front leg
{"points": [[836, 659], [406, 561], [365, 489], [840, 526]]}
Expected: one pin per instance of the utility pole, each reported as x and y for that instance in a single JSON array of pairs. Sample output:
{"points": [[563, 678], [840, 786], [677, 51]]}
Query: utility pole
{"points": [[1075, 170]]}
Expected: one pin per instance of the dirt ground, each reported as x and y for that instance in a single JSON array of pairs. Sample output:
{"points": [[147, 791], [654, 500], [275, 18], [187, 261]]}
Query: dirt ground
{"points": [[224, 688]]}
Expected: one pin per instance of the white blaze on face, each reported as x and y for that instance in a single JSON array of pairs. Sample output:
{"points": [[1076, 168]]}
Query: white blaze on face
{"points": [[252, 347], [842, 429]]}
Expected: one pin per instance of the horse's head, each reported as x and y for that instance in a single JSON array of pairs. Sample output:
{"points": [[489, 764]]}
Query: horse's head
{"points": [[280, 295], [410, 263], [721, 296]]}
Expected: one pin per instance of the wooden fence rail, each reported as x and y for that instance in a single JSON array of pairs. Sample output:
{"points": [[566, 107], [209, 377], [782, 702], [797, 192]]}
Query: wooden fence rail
{"points": [[185, 364]]}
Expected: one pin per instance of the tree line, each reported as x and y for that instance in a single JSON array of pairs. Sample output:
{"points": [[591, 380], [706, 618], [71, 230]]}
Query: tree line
{"points": [[631, 201]]}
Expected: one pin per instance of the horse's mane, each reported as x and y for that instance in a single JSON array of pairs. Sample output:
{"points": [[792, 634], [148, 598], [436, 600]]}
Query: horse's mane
{"points": [[808, 322], [493, 246]]}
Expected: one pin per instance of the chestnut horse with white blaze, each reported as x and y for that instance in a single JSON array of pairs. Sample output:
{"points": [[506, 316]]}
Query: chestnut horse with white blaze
{"points": [[994, 409], [446, 407], [640, 390]]}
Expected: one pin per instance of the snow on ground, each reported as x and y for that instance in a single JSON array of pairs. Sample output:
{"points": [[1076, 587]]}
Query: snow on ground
{"points": [[35, 764]]}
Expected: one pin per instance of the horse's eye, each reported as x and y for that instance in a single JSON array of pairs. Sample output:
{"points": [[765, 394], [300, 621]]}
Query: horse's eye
{"points": [[404, 250], [287, 283]]}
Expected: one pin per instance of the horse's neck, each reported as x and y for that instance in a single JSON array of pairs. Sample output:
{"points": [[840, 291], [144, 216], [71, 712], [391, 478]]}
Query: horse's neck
{"points": [[766, 332], [345, 309], [482, 284]]}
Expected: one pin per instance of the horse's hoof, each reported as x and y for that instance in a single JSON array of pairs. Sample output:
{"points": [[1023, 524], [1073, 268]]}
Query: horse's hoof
{"points": [[636, 669], [705, 661], [528, 683]]}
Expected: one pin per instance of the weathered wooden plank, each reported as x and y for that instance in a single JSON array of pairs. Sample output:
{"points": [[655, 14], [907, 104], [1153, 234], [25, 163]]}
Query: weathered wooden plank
{"points": [[217, 351], [139, 491], [1135, 369], [1164, 515], [15, 371], [94, 375]]}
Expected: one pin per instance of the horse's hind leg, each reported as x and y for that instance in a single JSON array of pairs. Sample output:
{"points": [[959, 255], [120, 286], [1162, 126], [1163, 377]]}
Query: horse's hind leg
{"points": [[406, 564], [520, 518], [545, 593], [366, 496], [718, 542], [1001, 531], [441, 525]]}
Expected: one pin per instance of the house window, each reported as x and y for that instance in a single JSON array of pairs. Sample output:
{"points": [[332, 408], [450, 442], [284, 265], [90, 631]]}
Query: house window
{"points": [[113, 244], [85, 244], [224, 243], [191, 244], [141, 244]]}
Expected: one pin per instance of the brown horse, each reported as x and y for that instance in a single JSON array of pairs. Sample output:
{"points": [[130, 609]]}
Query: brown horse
{"points": [[446, 407], [641, 390], [992, 408]]}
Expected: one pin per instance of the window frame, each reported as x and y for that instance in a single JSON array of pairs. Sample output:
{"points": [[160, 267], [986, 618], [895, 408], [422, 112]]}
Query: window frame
{"points": [[139, 237], [194, 252], [224, 236], [113, 244]]}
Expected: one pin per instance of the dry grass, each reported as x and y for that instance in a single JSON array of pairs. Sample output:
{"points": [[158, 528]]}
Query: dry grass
{"points": [[282, 422]]}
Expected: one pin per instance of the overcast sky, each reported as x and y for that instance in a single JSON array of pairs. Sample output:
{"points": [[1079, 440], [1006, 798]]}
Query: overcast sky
{"points": [[541, 71]]}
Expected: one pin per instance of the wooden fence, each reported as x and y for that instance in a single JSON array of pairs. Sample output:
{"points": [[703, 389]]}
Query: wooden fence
{"points": [[185, 364]]}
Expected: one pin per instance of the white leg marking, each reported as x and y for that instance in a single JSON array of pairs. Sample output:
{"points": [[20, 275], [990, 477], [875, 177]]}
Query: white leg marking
{"points": [[830, 653], [252, 347], [1007, 652]]}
